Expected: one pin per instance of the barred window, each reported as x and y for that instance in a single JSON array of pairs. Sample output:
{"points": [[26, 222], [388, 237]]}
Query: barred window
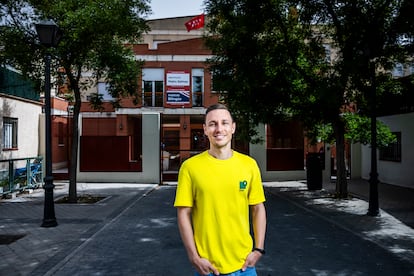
{"points": [[393, 151], [197, 86], [9, 133]]}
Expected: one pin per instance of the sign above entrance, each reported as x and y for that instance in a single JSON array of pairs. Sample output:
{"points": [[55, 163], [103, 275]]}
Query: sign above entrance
{"points": [[178, 88]]}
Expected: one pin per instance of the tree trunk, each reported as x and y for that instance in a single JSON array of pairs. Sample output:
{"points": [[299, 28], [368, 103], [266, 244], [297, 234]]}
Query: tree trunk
{"points": [[341, 181], [72, 198]]}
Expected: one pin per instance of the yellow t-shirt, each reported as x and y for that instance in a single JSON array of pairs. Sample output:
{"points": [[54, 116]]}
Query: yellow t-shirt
{"points": [[219, 193]]}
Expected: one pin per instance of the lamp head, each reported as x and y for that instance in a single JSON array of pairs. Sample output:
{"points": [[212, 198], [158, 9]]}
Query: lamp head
{"points": [[49, 33]]}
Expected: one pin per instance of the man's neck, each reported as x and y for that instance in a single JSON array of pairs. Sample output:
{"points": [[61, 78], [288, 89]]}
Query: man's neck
{"points": [[221, 154]]}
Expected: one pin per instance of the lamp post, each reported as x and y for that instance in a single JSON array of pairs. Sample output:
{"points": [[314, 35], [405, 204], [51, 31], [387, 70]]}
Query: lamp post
{"points": [[373, 207], [49, 36]]}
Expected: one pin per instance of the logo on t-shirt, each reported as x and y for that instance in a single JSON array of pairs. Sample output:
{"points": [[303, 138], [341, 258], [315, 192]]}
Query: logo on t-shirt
{"points": [[243, 185]]}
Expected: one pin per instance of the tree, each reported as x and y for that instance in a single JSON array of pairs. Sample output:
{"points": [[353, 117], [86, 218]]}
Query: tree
{"points": [[94, 37], [259, 58], [367, 35], [270, 59], [272, 65]]}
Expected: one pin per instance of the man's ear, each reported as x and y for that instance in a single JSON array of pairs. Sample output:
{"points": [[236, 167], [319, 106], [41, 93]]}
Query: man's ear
{"points": [[233, 128]]}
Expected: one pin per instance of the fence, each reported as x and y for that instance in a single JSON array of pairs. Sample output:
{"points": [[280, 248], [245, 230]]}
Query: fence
{"points": [[20, 174]]}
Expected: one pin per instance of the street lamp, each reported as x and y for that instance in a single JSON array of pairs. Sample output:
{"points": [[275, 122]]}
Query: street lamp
{"points": [[373, 208], [49, 36]]}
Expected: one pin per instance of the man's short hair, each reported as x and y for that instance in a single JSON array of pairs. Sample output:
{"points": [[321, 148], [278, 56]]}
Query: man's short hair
{"points": [[218, 106]]}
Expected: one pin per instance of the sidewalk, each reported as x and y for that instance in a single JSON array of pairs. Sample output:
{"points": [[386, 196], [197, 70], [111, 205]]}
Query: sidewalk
{"points": [[42, 251], [38, 249], [395, 200], [391, 229]]}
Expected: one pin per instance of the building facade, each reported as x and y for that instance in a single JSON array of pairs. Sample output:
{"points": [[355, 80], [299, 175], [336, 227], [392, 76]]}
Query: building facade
{"points": [[20, 121], [149, 141]]}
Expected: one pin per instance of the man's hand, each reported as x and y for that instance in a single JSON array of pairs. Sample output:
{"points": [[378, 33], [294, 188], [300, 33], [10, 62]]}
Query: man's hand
{"points": [[204, 267], [251, 259]]}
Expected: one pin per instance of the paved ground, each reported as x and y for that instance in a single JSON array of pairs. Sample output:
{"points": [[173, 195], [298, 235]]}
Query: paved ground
{"points": [[133, 232], [397, 201]]}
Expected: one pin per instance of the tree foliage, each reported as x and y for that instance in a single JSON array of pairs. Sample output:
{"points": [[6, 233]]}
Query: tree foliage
{"points": [[270, 60], [92, 47], [261, 58]]}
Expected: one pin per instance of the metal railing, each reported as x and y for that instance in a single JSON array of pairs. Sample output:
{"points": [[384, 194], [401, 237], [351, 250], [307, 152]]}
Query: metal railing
{"points": [[19, 174]]}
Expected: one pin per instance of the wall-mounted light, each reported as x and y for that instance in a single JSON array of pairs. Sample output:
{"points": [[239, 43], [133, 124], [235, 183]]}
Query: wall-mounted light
{"points": [[185, 126], [121, 126]]}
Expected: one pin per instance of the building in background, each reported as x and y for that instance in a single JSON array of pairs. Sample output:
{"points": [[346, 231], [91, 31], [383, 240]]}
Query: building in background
{"points": [[176, 89], [397, 112], [20, 112], [146, 143]]}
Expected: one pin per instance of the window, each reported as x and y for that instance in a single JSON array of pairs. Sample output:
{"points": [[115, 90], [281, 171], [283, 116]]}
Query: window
{"points": [[9, 133], [219, 81], [153, 87], [153, 93], [197, 86], [104, 91], [393, 151], [284, 146]]}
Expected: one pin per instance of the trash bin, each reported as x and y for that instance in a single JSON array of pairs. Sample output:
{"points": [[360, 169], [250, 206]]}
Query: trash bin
{"points": [[314, 171]]}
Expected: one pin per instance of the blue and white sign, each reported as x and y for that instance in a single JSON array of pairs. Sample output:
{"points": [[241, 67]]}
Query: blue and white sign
{"points": [[178, 96]]}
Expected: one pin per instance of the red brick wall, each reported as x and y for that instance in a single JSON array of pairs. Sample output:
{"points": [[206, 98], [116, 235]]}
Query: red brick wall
{"points": [[194, 46]]}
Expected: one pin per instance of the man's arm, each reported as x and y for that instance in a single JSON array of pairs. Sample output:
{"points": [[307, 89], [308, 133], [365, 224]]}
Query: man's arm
{"points": [[259, 224], [186, 231], [258, 213], [203, 266]]}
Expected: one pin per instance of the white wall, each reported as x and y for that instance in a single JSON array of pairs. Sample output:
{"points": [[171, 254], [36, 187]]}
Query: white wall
{"points": [[27, 112], [151, 145], [397, 173]]}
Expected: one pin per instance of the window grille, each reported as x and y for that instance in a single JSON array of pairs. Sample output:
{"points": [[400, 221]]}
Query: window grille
{"points": [[393, 151], [9, 133]]}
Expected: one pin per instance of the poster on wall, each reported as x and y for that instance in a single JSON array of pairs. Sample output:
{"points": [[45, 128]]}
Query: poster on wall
{"points": [[178, 88]]}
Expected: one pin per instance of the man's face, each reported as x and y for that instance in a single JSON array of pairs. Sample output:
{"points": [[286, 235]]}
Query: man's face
{"points": [[219, 128]]}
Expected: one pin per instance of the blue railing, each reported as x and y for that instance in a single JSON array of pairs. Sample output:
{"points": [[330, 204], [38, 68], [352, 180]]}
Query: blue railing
{"points": [[20, 174]]}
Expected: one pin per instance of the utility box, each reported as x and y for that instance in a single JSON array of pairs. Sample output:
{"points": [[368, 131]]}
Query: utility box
{"points": [[314, 171]]}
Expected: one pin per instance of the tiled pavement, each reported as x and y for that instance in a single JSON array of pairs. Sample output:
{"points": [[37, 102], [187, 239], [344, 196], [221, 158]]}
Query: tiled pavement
{"points": [[49, 251]]}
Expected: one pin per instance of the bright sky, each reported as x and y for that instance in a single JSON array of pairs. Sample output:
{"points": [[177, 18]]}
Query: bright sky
{"points": [[175, 8]]}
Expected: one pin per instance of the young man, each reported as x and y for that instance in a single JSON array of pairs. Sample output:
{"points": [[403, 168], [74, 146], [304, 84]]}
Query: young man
{"points": [[216, 191]]}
